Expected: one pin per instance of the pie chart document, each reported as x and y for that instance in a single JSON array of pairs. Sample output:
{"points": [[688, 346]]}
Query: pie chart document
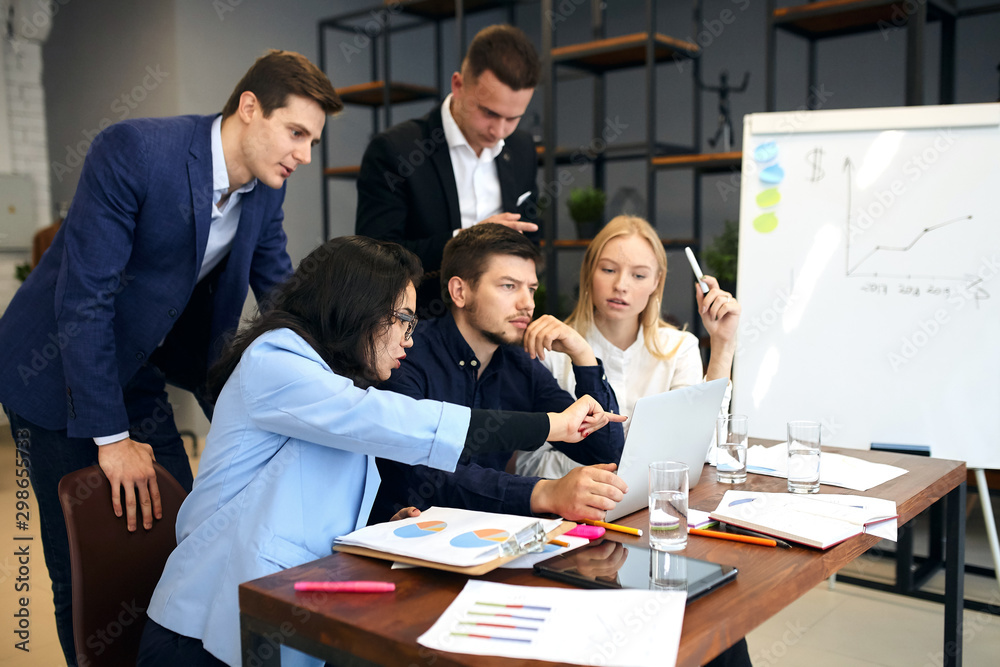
{"points": [[445, 535]]}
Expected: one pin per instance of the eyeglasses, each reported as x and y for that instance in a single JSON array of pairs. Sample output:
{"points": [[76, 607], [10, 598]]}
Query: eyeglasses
{"points": [[411, 323]]}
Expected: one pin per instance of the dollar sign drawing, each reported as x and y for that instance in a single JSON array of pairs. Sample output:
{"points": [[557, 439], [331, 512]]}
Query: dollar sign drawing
{"points": [[815, 158]]}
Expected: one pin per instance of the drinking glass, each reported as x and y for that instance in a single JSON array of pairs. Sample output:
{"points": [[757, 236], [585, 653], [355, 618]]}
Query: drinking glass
{"points": [[803, 456], [668, 504], [731, 440]]}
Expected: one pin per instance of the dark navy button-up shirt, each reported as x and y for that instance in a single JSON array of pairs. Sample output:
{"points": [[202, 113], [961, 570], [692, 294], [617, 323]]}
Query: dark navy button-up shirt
{"points": [[441, 366]]}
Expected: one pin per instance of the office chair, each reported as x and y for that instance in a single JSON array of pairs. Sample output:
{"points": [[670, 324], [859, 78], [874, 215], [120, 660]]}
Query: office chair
{"points": [[114, 571]]}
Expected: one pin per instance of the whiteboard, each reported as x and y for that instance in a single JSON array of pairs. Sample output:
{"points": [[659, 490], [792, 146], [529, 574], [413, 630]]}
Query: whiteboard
{"points": [[868, 270]]}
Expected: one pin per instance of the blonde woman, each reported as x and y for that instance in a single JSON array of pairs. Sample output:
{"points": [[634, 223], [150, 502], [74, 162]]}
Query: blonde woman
{"points": [[618, 313]]}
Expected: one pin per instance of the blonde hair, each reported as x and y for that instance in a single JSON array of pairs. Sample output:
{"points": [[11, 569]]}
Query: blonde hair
{"points": [[582, 317]]}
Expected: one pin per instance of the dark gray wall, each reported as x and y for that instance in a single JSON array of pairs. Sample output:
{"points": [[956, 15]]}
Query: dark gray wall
{"points": [[104, 62], [99, 51]]}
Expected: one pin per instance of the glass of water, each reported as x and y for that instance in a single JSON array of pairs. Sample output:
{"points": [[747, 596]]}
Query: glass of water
{"points": [[803, 456], [668, 505], [667, 571], [731, 455]]}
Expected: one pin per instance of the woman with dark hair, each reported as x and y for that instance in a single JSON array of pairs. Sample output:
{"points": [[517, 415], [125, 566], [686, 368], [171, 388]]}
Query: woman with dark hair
{"points": [[284, 467]]}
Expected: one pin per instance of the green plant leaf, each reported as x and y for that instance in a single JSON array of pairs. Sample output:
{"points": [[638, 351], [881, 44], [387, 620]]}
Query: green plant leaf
{"points": [[720, 255]]}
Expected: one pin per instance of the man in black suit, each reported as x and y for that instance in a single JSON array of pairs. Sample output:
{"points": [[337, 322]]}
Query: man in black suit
{"points": [[463, 163]]}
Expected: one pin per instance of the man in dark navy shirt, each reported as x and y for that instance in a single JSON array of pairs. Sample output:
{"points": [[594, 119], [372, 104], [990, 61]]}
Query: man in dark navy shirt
{"points": [[482, 354]]}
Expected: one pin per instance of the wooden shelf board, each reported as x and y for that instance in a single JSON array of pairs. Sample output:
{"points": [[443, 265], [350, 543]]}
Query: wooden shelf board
{"points": [[440, 9], [370, 94], [830, 18], [351, 171], [992, 481], [977, 11], [700, 161], [617, 151], [619, 52]]}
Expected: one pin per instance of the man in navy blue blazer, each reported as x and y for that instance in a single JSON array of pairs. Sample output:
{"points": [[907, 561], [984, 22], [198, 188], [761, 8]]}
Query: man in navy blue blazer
{"points": [[172, 221]]}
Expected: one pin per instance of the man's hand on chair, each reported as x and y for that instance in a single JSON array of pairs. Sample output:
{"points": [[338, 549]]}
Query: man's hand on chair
{"points": [[129, 465]]}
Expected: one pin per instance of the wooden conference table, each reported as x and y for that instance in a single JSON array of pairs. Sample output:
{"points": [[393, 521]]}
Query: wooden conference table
{"points": [[383, 629]]}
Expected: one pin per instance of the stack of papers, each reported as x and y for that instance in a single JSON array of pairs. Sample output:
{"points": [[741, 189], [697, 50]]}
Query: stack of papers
{"points": [[631, 628], [834, 469], [699, 519], [820, 520], [445, 535]]}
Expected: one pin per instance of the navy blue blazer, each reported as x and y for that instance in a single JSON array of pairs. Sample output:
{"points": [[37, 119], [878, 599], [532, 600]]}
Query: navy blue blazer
{"points": [[122, 270]]}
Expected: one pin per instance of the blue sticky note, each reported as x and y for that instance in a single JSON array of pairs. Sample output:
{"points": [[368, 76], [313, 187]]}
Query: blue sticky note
{"points": [[773, 174], [766, 152]]}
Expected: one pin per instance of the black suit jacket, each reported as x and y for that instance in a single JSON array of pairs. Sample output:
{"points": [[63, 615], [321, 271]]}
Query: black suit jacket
{"points": [[407, 192]]}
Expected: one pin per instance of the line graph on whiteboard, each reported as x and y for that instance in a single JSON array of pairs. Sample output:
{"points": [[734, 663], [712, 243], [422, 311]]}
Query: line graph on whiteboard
{"points": [[907, 248]]}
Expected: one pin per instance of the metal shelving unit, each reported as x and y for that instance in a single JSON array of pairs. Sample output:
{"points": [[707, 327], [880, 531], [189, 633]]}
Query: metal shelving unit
{"points": [[599, 57], [815, 21], [382, 91]]}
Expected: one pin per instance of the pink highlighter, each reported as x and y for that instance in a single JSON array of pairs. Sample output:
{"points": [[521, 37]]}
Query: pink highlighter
{"points": [[588, 532], [346, 586]]}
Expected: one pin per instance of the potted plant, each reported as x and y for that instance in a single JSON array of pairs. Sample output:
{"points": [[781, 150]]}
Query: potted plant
{"points": [[21, 271], [586, 207], [720, 256]]}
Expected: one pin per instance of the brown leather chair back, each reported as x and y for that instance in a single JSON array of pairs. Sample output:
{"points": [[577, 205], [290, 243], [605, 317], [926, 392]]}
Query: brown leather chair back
{"points": [[41, 241], [114, 571]]}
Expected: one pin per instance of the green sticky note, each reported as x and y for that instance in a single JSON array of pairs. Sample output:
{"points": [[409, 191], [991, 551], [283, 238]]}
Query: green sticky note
{"points": [[768, 198], [765, 223]]}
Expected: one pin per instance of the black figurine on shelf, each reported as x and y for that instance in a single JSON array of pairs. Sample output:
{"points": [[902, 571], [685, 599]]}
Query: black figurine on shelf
{"points": [[724, 131]]}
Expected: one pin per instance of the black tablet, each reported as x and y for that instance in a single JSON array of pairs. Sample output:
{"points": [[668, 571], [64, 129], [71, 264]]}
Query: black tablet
{"points": [[608, 564]]}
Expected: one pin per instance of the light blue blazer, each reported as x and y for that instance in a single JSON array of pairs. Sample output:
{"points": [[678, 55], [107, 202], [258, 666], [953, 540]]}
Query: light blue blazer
{"points": [[282, 475]]}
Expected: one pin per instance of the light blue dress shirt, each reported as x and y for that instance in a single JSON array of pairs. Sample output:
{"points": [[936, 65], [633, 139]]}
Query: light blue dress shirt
{"points": [[223, 227], [282, 475], [226, 219]]}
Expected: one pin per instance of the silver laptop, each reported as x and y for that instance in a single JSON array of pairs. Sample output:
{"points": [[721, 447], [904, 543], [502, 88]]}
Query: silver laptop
{"points": [[676, 425]]}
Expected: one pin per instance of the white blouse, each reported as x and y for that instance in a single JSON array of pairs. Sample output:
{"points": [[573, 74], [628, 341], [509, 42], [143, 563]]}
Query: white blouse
{"points": [[633, 373]]}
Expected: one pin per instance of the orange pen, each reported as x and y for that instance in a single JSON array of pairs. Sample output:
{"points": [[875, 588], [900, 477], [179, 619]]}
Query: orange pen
{"points": [[746, 539]]}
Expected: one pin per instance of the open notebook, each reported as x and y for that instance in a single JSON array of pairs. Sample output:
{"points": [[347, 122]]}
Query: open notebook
{"points": [[820, 520]]}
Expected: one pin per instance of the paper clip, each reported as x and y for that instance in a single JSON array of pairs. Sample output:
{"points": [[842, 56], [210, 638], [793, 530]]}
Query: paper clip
{"points": [[529, 539]]}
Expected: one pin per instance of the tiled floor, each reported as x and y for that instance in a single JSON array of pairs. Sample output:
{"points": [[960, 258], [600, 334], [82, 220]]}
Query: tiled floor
{"points": [[43, 646], [838, 626], [855, 626]]}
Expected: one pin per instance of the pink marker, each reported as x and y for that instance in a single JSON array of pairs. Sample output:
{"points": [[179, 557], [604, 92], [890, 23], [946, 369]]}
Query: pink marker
{"points": [[346, 586]]}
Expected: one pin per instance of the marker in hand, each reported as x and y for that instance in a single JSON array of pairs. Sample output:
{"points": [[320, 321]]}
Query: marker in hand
{"points": [[697, 270]]}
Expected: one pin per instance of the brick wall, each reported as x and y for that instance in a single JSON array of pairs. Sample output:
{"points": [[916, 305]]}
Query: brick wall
{"points": [[23, 119], [26, 120], [22, 116]]}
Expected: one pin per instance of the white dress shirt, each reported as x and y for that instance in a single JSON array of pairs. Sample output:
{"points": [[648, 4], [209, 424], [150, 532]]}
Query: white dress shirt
{"points": [[633, 373], [475, 175]]}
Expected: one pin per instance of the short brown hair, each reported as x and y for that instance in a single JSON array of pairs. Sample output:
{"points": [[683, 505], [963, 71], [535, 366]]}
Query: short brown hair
{"points": [[278, 74], [507, 52], [467, 254]]}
